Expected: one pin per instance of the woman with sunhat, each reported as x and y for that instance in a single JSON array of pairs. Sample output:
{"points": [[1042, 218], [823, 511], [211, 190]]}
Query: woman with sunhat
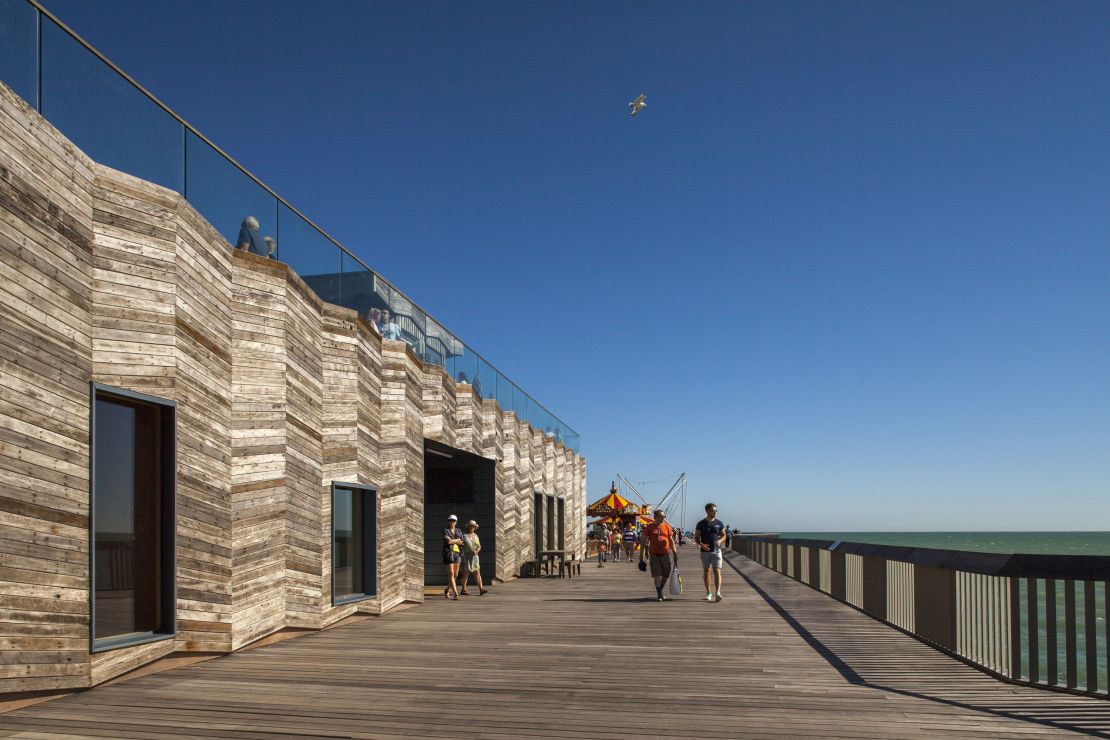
{"points": [[452, 555], [471, 547]]}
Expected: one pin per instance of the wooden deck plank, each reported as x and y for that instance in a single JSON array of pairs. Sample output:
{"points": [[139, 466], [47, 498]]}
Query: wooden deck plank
{"points": [[567, 658]]}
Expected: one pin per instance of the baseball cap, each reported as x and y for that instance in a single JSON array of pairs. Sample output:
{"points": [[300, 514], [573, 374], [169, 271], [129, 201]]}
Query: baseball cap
{"points": [[452, 518]]}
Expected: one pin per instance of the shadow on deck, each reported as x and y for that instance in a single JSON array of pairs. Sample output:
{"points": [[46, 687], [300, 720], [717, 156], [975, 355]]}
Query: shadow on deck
{"points": [[868, 653], [588, 657]]}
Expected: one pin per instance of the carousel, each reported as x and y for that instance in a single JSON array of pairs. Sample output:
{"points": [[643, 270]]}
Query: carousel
{"points": [[616, 510]]}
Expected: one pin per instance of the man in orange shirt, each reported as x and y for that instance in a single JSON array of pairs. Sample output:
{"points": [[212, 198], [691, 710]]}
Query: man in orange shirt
{"points": [[662, 546]]}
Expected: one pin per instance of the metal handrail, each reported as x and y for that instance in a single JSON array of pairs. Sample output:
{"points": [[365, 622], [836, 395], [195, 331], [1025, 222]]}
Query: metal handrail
{"points": [[165, 108], [991, 610]]}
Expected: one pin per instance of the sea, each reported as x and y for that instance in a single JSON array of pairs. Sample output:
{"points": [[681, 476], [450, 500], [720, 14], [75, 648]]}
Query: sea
{"points": [[1027, 543]]}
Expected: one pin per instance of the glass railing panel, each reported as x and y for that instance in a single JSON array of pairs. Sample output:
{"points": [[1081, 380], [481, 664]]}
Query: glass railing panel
{"points": [[485, 383], [357, 288], [242, 211], [504, 393], [19, 49], [466, 366], [311, 255], [520, 404], [413, 329], [110, 119], [440, 346]]}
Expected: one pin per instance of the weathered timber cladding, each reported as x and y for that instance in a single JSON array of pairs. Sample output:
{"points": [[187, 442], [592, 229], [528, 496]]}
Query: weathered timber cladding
{"points": [[46, 256], [110, 279]]}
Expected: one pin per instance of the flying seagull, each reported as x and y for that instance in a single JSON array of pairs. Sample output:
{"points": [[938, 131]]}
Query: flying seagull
{"points": [[637, 105]]}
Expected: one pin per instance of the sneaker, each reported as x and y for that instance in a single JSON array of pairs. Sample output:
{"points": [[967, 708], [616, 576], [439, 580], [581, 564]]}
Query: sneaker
{"points": [[664, 598], [709, 597], [659, 598], [719, 597]]}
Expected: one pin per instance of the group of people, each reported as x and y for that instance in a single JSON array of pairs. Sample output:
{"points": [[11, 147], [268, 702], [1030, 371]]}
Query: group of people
{"points": [[658, 543], [611, 541], [383, 323], [251, 239], [460, 553]]}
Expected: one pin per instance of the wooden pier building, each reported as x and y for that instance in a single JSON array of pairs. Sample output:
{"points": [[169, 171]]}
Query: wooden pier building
{"points": [[197, 451]]}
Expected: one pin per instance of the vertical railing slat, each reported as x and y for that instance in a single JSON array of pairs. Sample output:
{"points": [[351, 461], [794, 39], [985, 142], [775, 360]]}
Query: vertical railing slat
{"points": [[1015, 628], [1034, 645], [1050, 629], [1071, 672], [1090, 644]]}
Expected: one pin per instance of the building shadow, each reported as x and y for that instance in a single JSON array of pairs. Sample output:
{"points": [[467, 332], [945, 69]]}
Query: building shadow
{"points": [[884, 659]]}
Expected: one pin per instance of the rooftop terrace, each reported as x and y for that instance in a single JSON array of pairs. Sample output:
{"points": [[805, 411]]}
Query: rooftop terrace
{"points": [[588, 657], [120, 124]]}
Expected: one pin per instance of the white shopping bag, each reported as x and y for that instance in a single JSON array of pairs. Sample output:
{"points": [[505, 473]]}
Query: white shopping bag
{"points": [[676, 582]]}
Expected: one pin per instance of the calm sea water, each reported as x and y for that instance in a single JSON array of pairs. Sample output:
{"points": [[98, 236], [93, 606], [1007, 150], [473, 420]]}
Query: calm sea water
{"points": [[1033, 543]]}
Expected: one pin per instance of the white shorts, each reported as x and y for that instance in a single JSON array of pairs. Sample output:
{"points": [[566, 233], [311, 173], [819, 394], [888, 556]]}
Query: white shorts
{"points": [[712, 559]]}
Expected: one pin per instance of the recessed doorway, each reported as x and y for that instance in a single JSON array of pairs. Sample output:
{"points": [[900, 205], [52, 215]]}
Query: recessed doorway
{"points": [[459, 483]]}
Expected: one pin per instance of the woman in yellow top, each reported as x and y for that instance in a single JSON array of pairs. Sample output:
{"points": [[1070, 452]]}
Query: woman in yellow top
{"points": [[471, 547], [452, 555]]}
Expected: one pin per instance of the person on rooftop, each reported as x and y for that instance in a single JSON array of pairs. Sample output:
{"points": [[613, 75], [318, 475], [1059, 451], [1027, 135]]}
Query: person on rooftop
{"points": [[271, 247], [375, 318], [249, 238], [659, 541], [389, 329]]}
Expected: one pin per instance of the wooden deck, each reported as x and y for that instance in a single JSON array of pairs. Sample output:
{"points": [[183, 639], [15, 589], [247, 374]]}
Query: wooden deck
{"points": [[589, 657]]}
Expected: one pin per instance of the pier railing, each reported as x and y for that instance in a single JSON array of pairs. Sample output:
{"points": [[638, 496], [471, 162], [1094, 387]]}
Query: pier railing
{"points": [[120, 124], [1039, 620]]}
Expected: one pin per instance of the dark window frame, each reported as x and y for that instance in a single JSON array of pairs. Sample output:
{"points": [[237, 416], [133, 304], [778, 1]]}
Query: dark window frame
{"points": [[168, 518], [369, 548], [561, 522]]}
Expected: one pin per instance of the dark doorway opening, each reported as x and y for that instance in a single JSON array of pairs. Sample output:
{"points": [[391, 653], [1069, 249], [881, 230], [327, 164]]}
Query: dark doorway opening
{"points": [[459, 483]]}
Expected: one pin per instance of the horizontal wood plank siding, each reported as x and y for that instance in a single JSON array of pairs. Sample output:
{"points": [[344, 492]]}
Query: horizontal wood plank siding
{"points": [[110, 279]]}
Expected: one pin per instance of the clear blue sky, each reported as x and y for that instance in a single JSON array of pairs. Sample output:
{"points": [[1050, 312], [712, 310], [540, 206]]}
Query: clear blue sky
{"points": [[849, 270]]}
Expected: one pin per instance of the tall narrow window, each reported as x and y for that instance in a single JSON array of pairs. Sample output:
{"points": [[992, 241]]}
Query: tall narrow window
{"points": [[353, 527], [550, 519], [133, 482], [537, 521], [562, 537]]}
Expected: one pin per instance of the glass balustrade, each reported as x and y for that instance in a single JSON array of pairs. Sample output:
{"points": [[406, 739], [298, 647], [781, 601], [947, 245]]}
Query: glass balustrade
{"points": [[19, 48], [244, 212], [121, 126], [101, 112]]}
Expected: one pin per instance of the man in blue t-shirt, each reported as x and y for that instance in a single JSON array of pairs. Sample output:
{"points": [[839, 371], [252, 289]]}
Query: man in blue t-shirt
{"points": [[709, 534]]}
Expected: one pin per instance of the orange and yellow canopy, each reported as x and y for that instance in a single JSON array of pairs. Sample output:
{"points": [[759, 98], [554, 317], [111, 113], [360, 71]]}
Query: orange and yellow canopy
{"points": [[612, 505]]}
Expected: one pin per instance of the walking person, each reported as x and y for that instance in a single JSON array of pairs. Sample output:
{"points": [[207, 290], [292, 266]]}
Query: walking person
{"points": [[628, 539], [452, 555], [661, 544], [471, 546], [709, 535]]}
